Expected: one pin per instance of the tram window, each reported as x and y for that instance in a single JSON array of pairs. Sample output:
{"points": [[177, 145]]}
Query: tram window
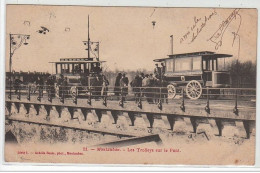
{"points": [[70, 68], [210, 65], [87, 68], [66, 68], [196, 63], [58, 68], [204, 65], [183, 64], [169, 65]]}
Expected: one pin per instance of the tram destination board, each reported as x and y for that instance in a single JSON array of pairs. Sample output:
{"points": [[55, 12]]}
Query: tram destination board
{"points": [[130, 85]]}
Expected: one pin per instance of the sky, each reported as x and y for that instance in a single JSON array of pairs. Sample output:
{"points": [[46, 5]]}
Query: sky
{"points": [[128, 39]]}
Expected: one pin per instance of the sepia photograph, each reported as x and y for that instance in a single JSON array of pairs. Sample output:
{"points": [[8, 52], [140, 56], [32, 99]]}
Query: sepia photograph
{"points": [[130, 85]]}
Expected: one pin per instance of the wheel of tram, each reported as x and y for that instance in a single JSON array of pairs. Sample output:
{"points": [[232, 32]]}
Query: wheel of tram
{"points": [[193, 90], [171, 91]]}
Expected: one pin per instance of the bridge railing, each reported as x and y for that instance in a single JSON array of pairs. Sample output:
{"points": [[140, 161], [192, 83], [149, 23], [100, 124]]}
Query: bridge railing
{"points": [[137, 94]]}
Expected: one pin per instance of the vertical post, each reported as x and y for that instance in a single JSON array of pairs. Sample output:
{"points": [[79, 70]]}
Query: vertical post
{"points": [[105, 90], [49, 93], [121, 102], [207, 109], [73, 69], [10, 68], [62, 94], [29, 93], [61, 68], [19, 93], [39, 96], [160, 101], [140, 99], [212, 64], [171, 44], [89, 98], [216, 64], [235, 110], [182, 103], [75, 99]]}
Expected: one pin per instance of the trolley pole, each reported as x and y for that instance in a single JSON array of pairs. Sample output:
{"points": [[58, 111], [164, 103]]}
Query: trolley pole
{"points": [[171, 44]]}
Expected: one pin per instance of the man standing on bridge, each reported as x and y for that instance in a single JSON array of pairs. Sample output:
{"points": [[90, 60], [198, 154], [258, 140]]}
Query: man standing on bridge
{"points": [[117, 84], [124, 85]]}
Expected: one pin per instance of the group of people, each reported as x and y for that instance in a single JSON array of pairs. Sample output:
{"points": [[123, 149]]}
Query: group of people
{"points": [[37, 85], [100, 86], [148, 85]]}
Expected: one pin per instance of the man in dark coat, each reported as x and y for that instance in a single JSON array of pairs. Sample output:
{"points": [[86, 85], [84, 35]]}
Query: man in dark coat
{"points": [[50, 82], [17, 84], [163, 68], [136, 84], [39, 84], [117, 84], [124, 85], [157, 71], [60, 83]]}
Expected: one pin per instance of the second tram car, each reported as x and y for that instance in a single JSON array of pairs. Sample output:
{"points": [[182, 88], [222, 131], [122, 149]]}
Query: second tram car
{"points": [[194, 71], [77, 72]]}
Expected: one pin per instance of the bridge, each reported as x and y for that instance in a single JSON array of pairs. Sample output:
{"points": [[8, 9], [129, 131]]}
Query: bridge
{"points": [[226, 107]]}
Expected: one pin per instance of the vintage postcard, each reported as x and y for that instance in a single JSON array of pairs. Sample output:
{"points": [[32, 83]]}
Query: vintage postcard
{"points": [[130, 85]]}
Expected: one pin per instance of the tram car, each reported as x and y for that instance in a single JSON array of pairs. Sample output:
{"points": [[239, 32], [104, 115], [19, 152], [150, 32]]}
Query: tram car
{"points": [[79, 74], [193, 71]]}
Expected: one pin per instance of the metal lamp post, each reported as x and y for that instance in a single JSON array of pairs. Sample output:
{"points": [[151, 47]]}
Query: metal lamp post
{"points": [[95, 49], [16, 41]]}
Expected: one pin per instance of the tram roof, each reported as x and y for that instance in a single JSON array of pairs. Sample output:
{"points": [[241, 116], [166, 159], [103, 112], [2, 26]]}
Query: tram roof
{"points": [[206, 54], [76, 62]]}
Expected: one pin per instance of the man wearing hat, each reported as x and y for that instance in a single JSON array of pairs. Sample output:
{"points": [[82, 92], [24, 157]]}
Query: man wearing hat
{"points": [[157, 71]]}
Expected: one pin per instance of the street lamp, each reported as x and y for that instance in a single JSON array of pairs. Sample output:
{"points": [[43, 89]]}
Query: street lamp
{"points": [[16, 41]]}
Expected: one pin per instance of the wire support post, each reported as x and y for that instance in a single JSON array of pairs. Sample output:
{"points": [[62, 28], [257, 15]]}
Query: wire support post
{"points": [[182, 103], [235, 110], [29, 93], [89, 97], [49, 94], [19, 93], [207, 108], [121, 101], [62, 94], [160, 101]]}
